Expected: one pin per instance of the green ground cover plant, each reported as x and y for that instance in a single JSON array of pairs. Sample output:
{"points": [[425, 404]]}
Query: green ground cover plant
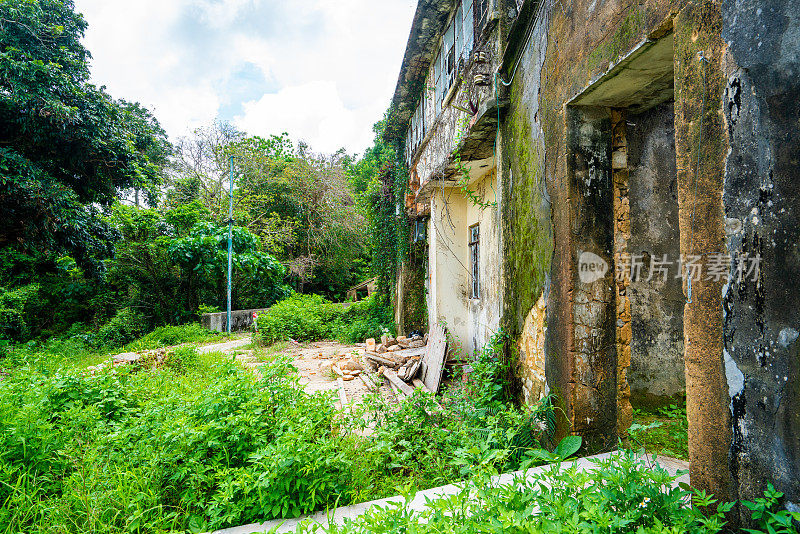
{"points": [[194, 444], [661, 430], [620, 494], [167, 336], [312, 317]]}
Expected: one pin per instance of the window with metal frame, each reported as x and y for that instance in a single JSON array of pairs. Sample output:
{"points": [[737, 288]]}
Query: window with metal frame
{"points": [[474, 260], [457, 43], [481, 15]]}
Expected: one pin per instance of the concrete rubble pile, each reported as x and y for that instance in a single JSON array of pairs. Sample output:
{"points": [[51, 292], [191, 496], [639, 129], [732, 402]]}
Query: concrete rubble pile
{"points": [[155, 357]]}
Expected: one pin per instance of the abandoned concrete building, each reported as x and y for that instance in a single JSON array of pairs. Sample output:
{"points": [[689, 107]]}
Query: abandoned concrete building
{"points": [[615, 184]]}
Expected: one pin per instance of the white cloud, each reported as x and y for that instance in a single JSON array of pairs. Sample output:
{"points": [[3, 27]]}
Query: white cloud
{"points": [[329, 66], [313, 112]]}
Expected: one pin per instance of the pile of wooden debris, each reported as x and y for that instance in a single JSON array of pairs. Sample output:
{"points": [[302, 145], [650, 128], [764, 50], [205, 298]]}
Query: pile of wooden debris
{"points": [[410, 361]]}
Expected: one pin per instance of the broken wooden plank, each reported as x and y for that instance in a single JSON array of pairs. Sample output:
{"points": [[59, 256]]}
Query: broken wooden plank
{"points": [[408, 353], [412, 370], [381, 360], [368, 382], [433, 362], [394, 379], [342, 394]]}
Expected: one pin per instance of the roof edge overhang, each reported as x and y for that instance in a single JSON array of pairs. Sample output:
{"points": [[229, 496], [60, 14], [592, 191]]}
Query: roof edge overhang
{"points": [[430, 20]]}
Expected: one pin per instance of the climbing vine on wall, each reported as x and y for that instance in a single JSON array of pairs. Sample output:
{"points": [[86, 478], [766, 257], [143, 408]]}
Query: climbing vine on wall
{"points": [[390, 230]]}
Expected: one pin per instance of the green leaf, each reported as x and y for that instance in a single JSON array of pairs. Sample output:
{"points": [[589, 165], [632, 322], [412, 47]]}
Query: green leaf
{"points": [[568, 446]]}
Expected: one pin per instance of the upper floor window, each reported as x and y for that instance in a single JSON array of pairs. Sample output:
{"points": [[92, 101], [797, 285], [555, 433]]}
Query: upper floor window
{"points": [[456, 46]]}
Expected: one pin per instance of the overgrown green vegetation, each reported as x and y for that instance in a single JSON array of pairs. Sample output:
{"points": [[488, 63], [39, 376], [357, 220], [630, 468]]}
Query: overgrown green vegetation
{"points": [[198, 442], [312, 318], [618, 495], [663, 431]]}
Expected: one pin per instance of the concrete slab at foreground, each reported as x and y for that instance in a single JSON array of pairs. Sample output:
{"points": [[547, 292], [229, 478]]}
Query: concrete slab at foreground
{"points": [[672, 465]]}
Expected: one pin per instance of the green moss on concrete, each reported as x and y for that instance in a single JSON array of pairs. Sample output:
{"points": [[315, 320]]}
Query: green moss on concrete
{"points": [[630, 31], [528, 249]]}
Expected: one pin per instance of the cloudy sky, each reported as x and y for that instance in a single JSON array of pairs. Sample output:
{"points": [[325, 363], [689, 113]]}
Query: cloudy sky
{"points": [[322, 70]]}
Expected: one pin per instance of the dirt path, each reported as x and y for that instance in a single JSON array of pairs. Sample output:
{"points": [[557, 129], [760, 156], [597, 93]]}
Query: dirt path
{"points": [[226, 346]]}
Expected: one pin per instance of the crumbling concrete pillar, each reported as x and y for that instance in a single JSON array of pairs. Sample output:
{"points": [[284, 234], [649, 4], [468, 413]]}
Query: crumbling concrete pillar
{"points": [[622, 233], [593, 388], [700, 152]]}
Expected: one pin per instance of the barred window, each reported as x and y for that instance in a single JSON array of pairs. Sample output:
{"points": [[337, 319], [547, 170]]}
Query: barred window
{"points": [[474, 260]]}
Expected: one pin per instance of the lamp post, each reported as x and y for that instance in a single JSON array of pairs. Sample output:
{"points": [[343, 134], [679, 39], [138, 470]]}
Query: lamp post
{"points": [[230, 245]]}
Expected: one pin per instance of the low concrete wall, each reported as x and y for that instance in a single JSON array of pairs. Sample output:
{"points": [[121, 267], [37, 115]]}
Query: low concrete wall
{"points": [[240, 320], [420, 501]]}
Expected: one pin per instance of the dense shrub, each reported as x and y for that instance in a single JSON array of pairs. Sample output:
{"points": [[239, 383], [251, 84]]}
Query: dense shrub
{"points": [[123, 328], [485, 383], [12, 324], [14, 310], [367, 318], [312, 317]]}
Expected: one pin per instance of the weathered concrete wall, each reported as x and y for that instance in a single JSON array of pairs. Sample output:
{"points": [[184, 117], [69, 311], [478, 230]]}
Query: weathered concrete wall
{"points": [[656, 295], [483, 314], [761, 196], [526, 216], [240, 320], [448, 271], [584, 40]]}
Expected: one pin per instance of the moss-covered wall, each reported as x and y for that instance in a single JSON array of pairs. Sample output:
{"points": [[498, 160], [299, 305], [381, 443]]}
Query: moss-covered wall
{"points": [[526, 219], [736, 67], [562, 56]]}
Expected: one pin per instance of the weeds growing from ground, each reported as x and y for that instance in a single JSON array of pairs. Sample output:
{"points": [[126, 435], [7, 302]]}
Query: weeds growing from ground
{"points": [[663, 431], [196, 442]]}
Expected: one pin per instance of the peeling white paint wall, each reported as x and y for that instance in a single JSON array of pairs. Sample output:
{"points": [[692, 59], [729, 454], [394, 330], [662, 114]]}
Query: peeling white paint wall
{"points": [[471, 321]]}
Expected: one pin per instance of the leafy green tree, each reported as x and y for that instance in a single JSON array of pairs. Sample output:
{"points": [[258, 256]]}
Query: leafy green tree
{"points": [[170, 263], [67, 149], [301, 205], [203, 258]]}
